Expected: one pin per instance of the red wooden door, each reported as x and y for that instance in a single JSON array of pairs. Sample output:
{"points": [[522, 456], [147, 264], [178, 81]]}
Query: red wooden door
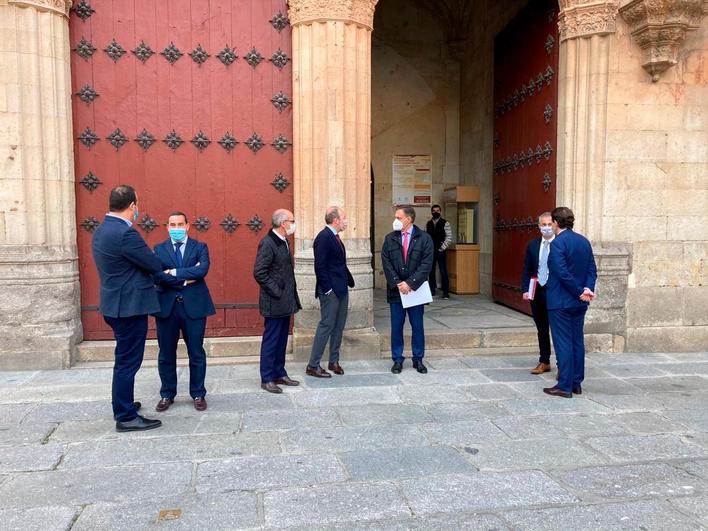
{"points": [[189, 102], [525, 105]]}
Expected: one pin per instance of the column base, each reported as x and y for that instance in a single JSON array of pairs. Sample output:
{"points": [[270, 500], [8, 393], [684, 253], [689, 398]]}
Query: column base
{"points": [[40, 307]]}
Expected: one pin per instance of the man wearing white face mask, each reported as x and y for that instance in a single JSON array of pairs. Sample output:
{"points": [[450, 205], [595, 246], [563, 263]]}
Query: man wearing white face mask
{"points": [[407, 259], [536, 266], [185, 304]]}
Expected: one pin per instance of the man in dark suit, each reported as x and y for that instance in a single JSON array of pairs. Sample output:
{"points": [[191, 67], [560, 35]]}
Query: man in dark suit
{"points": [[441, 233], [407, 258], [571, 285], [278, 299], [332, 289], [125, 263], [185, 304], [536, 265]]}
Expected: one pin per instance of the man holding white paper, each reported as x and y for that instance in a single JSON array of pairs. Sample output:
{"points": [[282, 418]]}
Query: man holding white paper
{"points": [[535, 274], [407, 258]]}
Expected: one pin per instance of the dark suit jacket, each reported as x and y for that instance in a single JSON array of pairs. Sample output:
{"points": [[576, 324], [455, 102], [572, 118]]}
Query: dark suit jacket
{"points": [[530, 263], [273, 270], [331, 265], [415, 271], [196, 298], [124, 263], [571, 269]]}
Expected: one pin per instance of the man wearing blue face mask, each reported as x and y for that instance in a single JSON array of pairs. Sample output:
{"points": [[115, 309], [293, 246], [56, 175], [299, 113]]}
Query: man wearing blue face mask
{"points": [[185, 304]]}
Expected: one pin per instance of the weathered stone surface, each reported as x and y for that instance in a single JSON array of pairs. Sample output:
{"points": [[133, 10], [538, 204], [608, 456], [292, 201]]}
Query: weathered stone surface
{"points": [[670, 383], [434, 393], [631, 481], [465, 433], [38, 518], [280, 420], [667, 339], [509, 375], [698, 468], [333, 503], [64, 411], [547, 404], [638, 448], [634, 370], [353, 380], [651, 514], [395, 463], [559, 426], [443, 377], [261, 401], [436, 522], [465, 411], [30, 457], [628, 402], [383, 415], [259, 473], [78, 487], [684, 400], [25, 433], [646, 422], [229, 510], [498, 362], [350, 439], [693, 419], [696, 506], [483, 491], [347, 397]]}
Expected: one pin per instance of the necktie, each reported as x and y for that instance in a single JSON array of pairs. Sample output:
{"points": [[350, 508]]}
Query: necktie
{"points": [[178, 254], [339, 241], [543, 263], [405, 247]]}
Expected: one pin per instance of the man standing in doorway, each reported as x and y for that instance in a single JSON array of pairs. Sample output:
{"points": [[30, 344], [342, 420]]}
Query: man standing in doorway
{"points": [[407, 258], [278, 300], [571, 285], [536, 266], [125, 263], [441, 233], [332, 289], [185, 304]]}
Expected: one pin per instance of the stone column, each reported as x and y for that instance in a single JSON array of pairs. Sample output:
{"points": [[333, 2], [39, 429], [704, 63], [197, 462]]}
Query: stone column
{"points": [[332, 166], [39, 281], [586, 32]]}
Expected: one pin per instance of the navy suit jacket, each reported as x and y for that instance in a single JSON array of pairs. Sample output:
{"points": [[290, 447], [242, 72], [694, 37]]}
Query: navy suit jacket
{"points": [[530, 263], [124, 263], [331, 265], [571, 269], [196, 298]]}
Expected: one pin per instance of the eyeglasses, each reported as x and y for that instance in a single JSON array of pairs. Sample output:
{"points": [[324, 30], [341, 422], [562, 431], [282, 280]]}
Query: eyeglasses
{"points": [[290, 220]]}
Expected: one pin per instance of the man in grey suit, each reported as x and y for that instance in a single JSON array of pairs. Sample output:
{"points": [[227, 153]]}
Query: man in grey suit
{"points": [[332, 289]]}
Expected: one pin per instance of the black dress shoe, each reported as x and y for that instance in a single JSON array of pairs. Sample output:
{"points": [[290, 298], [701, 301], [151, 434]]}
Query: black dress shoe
{"points": [[138, 424], [418, 366], [286, 380], [555, 391], [577, 390], [397, 367], [271, 387]]}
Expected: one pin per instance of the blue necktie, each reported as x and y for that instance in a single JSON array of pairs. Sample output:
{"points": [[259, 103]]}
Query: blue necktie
{"points": [[543, 263], [178, 254]]}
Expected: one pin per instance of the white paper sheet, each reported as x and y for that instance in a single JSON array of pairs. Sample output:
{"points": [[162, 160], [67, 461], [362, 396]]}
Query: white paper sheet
{"points": [[420, 296]]}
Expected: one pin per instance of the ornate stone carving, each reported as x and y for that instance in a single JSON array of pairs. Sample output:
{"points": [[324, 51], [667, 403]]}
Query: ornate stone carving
{"points": [[359, 12], [583, 18], [60, 7], [659, 28]]}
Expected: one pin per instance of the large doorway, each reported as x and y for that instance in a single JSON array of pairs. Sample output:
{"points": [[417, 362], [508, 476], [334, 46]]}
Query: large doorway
{"points": [[525, 117], [190, 103]]}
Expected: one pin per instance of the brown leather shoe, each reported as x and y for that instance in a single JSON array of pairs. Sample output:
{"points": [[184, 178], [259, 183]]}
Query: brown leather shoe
{"points": [[164, 404], [286, 380], [271, 387], [577, 390], [555, 391], [200, 403], [318, 372], [336, 368], [541, 368]]}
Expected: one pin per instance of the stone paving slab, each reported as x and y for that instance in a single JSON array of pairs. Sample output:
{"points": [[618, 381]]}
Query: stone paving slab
{"points": [[647, 422], [682, 400], [559, 426], [352, 380], [553, 405], [347, 397], [483, 491], [670, 383], [696, 506], [434, 393], [230, 510], [11, 434], [466, 433], [14, 413], [688, 368], [434, 522], [442, 377], [697, 468], [464, 411], [640, 515], [509, 375], [350, 439], [333, 503], [37, 519], [279, 420], [30, 457], [383, 415], [693, 419], [642, 448]]}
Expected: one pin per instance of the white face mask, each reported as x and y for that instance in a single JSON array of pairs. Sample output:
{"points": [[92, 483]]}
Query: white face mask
{"points": [[290, 230], [397, 224], [546, 231]]}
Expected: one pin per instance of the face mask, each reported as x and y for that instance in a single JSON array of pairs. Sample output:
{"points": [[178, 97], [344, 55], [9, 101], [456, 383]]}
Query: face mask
{"points": [[546, 231], [290, 230], [397, 224], [436, 215], [136, 214], [178, 234]]}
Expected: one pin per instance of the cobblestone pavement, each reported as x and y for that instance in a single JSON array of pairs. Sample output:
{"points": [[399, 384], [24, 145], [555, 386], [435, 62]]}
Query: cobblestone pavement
{"points": [[474, 444]]}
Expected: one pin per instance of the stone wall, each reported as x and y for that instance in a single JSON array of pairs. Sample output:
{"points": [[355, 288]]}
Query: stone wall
{"points": [[656, 191], [415, 107]]}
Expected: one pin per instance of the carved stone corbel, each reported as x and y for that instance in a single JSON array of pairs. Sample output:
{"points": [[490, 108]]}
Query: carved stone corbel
{"points": [[659, 28], [584, 18], [61, 7], [359, 12]]}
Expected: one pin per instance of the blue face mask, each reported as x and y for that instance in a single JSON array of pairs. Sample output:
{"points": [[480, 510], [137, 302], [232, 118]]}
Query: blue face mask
{"points": [[136, 214], [178, 234]]}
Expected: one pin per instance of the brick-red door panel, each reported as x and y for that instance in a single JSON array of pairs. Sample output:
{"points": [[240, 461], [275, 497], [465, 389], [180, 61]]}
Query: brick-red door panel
{"points": [[133, 87], [525, 105]]}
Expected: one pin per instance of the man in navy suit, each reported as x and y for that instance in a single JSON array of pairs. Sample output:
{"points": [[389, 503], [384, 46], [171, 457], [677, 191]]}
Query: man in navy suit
{"points": [[185, 304], [571, 285], [125, 263], [536, 265], [332, 289]]}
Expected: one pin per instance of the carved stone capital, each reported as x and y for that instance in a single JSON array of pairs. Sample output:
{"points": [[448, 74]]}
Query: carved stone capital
{"points": [[583, 18], [60, 7], [359, 12], [659, 28]]}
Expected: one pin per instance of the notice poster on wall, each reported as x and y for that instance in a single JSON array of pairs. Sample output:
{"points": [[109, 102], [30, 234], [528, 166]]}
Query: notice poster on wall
{"points": [[412, 177]]}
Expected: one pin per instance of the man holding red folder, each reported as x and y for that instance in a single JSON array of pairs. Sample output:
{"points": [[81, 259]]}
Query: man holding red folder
{"points": [[533, 281]]}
